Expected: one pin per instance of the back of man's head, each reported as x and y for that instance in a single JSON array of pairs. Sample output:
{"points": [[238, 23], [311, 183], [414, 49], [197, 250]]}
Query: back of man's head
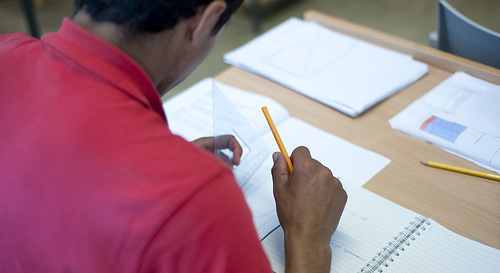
{"points": [[149, 16]]}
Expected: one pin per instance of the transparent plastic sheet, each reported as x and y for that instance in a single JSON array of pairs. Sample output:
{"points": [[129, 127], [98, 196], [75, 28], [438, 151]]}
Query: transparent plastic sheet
{"points": [[228, 121]]}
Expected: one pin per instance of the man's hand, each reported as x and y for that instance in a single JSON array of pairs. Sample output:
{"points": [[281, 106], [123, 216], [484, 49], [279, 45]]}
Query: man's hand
{"points": [[221, 142], [309, 203]]}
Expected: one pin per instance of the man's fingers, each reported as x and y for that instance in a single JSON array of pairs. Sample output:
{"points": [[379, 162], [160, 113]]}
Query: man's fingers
{"points": [[237, 152], [279, 170], [206, 143], [230, 142], [300, 154]]}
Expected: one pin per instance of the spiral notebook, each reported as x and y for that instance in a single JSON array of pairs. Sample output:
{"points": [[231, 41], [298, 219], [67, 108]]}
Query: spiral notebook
{"points": [[376, 235]]}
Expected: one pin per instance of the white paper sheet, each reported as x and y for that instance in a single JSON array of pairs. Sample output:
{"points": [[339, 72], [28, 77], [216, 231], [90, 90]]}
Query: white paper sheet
{"points": [[189, 115]]}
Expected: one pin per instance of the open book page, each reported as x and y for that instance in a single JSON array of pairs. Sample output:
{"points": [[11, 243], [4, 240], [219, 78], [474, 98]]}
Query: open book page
{"points": [[189, 115], [342, 72], [437, 249], [461, 115], [368, 223]]}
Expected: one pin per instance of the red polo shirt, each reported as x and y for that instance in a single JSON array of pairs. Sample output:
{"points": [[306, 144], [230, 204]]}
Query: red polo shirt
{"points": [[91, 178]]}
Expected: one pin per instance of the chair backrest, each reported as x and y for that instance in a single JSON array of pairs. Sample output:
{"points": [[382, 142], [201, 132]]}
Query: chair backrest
{"points": [[461, 36]]}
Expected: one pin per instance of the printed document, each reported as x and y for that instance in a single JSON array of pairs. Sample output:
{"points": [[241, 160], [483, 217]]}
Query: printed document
{"points": [[460, 115]]}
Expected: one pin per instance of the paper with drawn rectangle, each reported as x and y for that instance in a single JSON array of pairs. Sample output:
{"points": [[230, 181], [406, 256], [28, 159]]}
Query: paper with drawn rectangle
{"points": [[190, 116], [342, 72], [460, 115]]}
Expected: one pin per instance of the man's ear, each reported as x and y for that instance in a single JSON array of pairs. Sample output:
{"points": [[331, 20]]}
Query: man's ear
{"points": [[209, 16]]}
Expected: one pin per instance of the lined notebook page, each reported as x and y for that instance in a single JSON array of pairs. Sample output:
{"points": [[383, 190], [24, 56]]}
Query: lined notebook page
{"points": [[368, 223], [438, 249]]}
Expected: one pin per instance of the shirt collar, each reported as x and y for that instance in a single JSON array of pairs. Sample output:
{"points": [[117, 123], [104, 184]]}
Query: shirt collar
{"points": [[104, 61]]}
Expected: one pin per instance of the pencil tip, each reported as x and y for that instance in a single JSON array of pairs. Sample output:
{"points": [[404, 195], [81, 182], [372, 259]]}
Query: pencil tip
{"points": [[425, 163]]}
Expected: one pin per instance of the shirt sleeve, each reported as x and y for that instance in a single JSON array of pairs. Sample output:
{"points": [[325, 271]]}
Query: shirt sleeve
{"points": [[212, 232]]}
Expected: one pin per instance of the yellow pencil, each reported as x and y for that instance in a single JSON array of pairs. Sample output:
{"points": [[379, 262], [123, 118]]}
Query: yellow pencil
{"points": [[278, 138], [461, 170]]}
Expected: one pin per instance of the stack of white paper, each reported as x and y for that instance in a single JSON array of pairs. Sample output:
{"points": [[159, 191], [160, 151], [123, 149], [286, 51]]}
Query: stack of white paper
{"points": [[460, 115], [347, 74]]}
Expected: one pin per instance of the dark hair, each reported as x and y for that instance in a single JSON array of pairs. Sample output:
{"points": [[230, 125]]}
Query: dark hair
{"points": [[150, 16]]}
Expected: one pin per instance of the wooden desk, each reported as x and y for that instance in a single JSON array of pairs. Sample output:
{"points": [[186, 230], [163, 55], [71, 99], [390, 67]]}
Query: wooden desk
{"points": [[467, 205]]}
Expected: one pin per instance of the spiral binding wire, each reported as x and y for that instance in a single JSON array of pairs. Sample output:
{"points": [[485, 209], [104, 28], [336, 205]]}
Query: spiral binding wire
{"points": [[394, 247]]}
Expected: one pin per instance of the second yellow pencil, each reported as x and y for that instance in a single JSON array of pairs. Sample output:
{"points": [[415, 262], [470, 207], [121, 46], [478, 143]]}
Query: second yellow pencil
{"points": [[461, 170]]}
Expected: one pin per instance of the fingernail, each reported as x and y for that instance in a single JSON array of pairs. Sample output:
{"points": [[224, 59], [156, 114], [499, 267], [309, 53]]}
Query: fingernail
{"points": [[275, 157]]}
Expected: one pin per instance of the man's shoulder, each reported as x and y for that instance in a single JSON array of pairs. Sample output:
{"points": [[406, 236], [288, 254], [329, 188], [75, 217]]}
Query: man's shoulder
{"points": [[13, 39], [211, 229]]}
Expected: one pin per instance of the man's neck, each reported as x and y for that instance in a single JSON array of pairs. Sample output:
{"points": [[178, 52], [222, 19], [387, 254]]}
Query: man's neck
{"points": [[148, 50]]}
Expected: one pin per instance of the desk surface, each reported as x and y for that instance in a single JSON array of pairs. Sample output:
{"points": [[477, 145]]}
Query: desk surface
{"points": [[467, 205]]}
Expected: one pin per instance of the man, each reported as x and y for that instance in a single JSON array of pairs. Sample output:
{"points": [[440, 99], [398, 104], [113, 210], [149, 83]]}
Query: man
{"points": [[91, 178]]}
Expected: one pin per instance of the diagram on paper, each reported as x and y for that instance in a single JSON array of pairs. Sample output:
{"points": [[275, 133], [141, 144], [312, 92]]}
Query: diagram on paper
{"points": [[306, 53]]}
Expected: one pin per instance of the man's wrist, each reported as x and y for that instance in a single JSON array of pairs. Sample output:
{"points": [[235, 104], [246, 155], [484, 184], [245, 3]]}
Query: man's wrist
{"points": [[304, 255]]}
